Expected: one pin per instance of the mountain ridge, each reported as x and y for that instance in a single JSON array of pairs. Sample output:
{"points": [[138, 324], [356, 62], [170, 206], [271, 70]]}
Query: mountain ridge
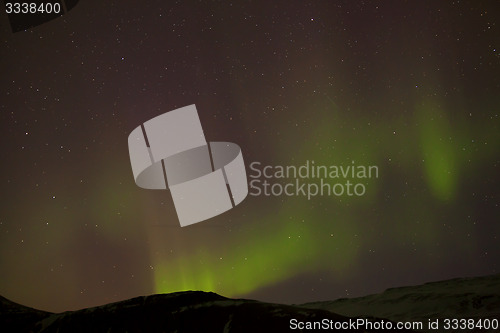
{"points": [[473, 297], [190, 311], [197, 311]]}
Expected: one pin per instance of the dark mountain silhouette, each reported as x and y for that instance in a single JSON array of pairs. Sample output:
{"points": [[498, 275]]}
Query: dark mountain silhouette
{"points": [[196, 311], [192, 311], [18, 318]]}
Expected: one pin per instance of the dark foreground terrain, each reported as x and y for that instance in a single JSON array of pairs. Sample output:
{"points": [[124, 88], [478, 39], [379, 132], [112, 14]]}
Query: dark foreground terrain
{"points": [[467, 298], [208, 312]]}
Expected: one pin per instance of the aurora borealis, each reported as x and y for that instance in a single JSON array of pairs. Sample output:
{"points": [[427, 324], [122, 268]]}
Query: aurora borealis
{"points": [[410, 87]]}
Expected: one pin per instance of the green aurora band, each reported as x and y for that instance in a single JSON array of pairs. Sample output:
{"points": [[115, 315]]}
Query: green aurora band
{"points": [[290, 247]]}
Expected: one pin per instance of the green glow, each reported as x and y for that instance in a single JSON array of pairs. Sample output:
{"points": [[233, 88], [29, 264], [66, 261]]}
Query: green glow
{"points": [[288, 248], [330, 233], [257, 262], [110, 206], [334, 140], [438, 151]]}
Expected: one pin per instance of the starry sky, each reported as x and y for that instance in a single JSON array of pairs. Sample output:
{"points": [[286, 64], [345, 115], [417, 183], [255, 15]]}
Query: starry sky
{"points": [[412, 87]]}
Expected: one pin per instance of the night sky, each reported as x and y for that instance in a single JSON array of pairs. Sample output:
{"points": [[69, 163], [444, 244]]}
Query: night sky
{"points": [[412, 87]]}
